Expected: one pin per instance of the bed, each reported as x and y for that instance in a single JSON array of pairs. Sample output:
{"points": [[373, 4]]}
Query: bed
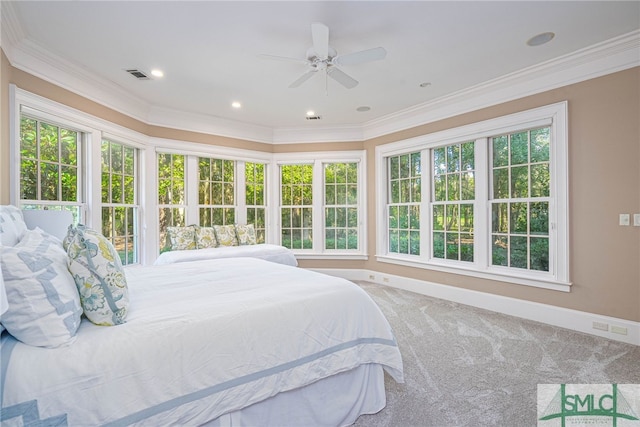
{"points": [[218, 342]]}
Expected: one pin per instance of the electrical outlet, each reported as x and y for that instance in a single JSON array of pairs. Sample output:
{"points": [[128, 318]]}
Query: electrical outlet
{"points": [[636, 220], [619, 330], [372, 277], [601, 326], [624, 219], [385, 279]]}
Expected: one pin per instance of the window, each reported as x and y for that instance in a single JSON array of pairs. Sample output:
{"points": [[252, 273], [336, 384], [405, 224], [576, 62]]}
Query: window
{"points": [[403, 207], [216, 191], [321, 200], [341, 206], [200, 187], [49, 166], [120, 199], [171, 192], [520, 191], [296, 206], [453, 201], [255, 200], [497, 205]]}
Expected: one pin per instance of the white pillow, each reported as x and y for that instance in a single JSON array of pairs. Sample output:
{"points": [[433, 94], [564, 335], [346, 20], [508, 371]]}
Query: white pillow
{"points": [[44, 306], [12, 225], [97, 270]]}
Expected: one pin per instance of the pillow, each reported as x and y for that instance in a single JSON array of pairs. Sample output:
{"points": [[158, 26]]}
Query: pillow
{"points": [[206, 238], [44, 307], [181, 238], [226, 235], [99, 276], [12, 225], [246, 234]]}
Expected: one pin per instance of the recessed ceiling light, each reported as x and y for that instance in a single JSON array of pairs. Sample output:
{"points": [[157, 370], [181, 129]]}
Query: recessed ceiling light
{"points": [[236, 104], [311, 113], [157, 73], [363, 108], [540, 39]]}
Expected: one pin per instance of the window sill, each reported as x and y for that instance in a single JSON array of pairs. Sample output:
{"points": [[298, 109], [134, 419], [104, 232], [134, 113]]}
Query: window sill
{"points": [[347, 256], [501, 276]]}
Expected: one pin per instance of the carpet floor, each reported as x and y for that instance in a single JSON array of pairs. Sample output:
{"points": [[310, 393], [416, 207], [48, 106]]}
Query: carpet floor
{"points": [[466, 366]]}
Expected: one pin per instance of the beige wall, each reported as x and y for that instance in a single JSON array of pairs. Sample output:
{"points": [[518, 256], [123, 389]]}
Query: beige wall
{"points": [[604, 180], [5, 70]]}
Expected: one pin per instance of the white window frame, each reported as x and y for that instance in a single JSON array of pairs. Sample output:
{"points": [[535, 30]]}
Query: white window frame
{"points": [[346, 206], [193, 150], [319, 159], [136, 204], [234, 183], [94, 130], [241, 183], [555, 116]]}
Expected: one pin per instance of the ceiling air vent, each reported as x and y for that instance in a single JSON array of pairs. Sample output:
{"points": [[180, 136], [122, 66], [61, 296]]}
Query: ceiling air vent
{"points": [[138, 74], [314, 117]]}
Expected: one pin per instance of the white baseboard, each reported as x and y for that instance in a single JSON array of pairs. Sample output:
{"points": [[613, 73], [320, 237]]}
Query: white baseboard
{"points": [[557, 316]]}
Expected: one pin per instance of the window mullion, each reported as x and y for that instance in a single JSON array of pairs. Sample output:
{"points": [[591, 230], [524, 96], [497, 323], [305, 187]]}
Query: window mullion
{"points": [[482, 205], [426, 191], [240, 192], [318, 207], [191, 183]]}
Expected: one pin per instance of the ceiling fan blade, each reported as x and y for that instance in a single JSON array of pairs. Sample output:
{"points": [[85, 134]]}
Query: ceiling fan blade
{"points": [[320, 36], [341, 77], [282, 58], [360, 57], [303, 78]]}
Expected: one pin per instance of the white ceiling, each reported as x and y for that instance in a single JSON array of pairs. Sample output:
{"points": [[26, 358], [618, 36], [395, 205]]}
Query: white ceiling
{"points": [[209, 52]]}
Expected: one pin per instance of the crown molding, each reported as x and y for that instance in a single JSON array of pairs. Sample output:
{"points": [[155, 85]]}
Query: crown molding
{"points": [[35, 60], [344, 133], [12, 31], [207, 124], [613, 55]]}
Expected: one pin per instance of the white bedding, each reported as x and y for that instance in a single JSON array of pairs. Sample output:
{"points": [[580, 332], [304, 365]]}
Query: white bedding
{"points": [[202, 339], [273, 253]]}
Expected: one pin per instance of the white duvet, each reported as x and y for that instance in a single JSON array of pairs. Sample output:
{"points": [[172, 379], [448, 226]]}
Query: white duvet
{"points": [[273, 253], [202, 339]]}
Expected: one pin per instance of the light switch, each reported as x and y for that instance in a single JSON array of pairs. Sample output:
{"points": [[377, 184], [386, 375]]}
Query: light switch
{"points": [[636, 220], [624, 219]]}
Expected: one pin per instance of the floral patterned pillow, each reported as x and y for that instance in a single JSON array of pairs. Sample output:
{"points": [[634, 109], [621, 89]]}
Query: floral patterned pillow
{"points": [[246, 234], [97, 270], [226, 235], [206, 238], [181, 238]]}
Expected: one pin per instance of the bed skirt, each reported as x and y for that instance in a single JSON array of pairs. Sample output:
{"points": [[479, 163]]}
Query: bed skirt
{"points": [[334, 401]]}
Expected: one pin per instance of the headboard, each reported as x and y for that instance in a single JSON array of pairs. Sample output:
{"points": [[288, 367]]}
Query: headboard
{"points": [[53, 222]]}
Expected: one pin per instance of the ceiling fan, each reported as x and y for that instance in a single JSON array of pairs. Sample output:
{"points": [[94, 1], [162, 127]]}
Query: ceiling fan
{"points": [[322, 57]]}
